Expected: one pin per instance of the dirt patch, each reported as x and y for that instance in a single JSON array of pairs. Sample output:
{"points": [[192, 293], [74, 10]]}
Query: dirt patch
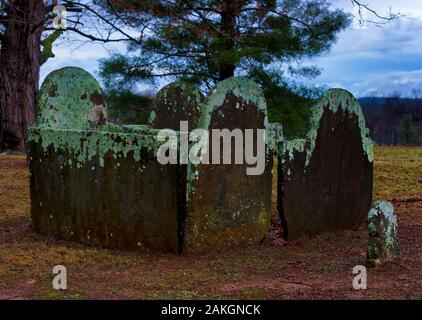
{"points": [[318, 267], [281, 285], [13, 162], [20, 290], [14, 232]]}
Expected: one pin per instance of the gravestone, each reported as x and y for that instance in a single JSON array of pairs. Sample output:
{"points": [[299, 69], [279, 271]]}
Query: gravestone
{"points": [[383, 242], [325, 180], [226, 207], [174, 103], [71, 98], [97, 184]]}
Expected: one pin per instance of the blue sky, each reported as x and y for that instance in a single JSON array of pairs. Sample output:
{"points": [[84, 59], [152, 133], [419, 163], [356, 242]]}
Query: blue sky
{"points": [[368, 61]]}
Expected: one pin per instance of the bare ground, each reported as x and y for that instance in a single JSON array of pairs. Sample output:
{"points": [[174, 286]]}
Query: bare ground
{"points": [[310, 268]]}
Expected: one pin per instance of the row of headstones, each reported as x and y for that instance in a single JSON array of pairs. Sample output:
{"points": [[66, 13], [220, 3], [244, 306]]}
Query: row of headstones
{"points": [[225, 207], [182, 207], [324, 182]]}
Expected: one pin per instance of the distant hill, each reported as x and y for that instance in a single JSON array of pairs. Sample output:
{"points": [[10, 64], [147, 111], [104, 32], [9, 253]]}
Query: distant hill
{"points": [[393, 120]]}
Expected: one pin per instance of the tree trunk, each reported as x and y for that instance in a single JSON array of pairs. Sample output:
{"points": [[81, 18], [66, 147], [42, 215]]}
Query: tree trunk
{"points": [[20, 61], [228, 27]]}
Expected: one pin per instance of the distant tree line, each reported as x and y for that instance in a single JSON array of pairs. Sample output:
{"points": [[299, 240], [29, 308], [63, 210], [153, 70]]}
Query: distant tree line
{"points": [[394, 120]]}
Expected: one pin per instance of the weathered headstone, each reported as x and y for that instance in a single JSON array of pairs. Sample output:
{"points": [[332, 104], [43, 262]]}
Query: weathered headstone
{"points": [[325, 180], [383, 242], [94, 184], [99, 183], [174, 103], [226, 207], [178, 106], [71, 98]]}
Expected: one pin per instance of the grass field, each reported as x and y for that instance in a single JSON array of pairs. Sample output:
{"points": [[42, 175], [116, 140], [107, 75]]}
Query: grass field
{"points": [[310, 268]]}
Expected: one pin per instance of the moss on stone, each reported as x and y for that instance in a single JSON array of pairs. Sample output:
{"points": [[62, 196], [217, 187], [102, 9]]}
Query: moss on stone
{"points": [[241, 87], [71, 98], [335, 99], [85, 145], [274, 136], [382, 229], [290, 147]]}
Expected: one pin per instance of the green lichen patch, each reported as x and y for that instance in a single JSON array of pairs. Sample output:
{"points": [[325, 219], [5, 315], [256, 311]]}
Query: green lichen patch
{"points": [[244, 88], [382, 229], [85, 145], [174, 103], [137, 129], [333, 100], [274, 136], [290, 147], [71, 98], [152, 117], [166, 95]]}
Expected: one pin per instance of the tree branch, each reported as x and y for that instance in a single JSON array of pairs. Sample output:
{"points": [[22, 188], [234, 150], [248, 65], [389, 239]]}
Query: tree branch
{"points": [[383, 19]]}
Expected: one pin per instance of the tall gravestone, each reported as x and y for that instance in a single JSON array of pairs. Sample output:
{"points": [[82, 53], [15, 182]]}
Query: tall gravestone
{"points": [[226, 207], [97, 184], [178, 106], [325, 180]]}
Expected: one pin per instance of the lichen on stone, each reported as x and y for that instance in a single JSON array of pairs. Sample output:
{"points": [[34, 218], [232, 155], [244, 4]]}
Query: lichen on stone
{"points": [[274, 136], [382, 229], [186, 90], [242, 87], [152, 116], [84, 145], [71, 98], [291, 146], [333, 100]]}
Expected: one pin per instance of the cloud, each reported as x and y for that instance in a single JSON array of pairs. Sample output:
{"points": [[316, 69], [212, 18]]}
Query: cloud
{"points": [[387, 84], [85, 55], [365, 61], [381, 60]]}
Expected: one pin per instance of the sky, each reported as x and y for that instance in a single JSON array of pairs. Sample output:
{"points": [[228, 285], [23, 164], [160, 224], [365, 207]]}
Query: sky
{"points": [[366, 60]]}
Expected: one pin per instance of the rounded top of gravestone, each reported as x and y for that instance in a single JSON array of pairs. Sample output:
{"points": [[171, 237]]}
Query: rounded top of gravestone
{"points": [[174, 103], [336, 100], [244, 89], [383, 207], [71, 98]]}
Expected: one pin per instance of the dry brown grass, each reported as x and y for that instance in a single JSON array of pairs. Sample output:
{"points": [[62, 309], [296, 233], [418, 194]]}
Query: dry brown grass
{"points": [[317, 267]]}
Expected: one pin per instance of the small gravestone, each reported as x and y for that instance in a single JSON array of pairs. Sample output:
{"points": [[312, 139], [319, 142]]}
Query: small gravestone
{"points": [[383, 243], [174, 103], [325, 180], [226, 207], [71, 98]]}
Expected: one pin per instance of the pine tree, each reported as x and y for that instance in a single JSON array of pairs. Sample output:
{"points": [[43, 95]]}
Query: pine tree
{"points": [[207, 41], [407, 131]]}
